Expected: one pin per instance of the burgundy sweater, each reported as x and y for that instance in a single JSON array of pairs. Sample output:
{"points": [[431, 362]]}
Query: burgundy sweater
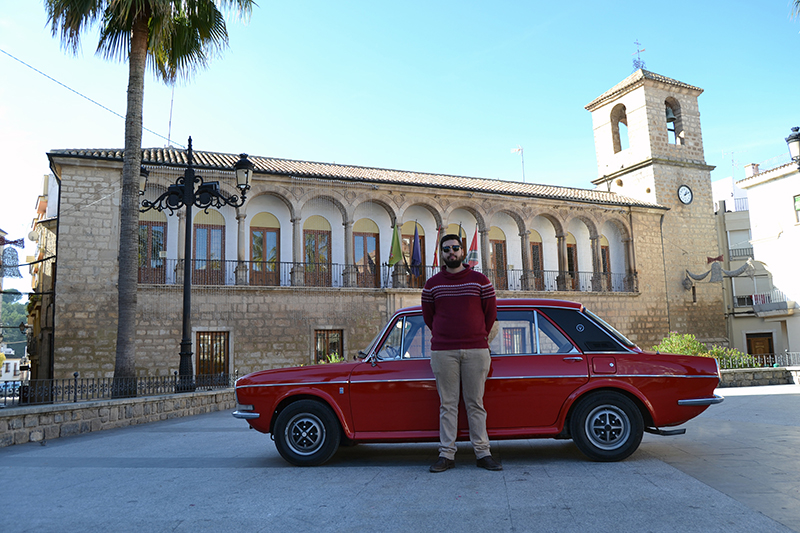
{"points": [[460, 309]]}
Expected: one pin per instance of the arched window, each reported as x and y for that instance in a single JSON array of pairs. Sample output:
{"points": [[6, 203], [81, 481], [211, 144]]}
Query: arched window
{"points": [[265, 250], [605, 262], [209, 248], [317, 249], [407, 236], [572, 260], [152, 247], [498, 258], [619, 128], [672, 114], [366, 251], [537, 260]]}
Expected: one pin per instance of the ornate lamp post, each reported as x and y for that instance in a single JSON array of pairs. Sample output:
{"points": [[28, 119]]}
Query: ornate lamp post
{"points": [[187, 191], [793, 141]]}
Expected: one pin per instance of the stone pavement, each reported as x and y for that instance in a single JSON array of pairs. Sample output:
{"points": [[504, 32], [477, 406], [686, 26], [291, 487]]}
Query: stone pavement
{"points": [[735, 470]]}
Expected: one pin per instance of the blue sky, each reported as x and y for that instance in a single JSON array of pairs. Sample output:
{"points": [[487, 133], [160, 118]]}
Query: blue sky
{"points": [[443, 86]]}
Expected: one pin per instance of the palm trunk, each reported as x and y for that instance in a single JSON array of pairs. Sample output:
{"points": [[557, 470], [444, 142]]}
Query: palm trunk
{"points": [[125, 363]]}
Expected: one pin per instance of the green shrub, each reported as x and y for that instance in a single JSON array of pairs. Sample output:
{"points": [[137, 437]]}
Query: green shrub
{"points": [[687, 344]]}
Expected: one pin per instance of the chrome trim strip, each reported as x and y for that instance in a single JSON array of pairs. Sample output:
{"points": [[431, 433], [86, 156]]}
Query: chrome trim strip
{"points": [[702, 401], [586, 376], [660, 376], [391, 380], [245, 415], [291, 384]]}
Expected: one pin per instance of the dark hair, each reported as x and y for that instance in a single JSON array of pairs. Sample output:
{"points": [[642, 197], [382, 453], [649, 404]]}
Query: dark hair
{"points": [[449, 237]]}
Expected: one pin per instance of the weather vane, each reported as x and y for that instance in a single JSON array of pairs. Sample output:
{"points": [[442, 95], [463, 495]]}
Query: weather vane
{"points": [[638, 63]]}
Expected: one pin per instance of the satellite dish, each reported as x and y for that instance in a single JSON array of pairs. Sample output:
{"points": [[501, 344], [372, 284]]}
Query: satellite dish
{"points": [[33, 236]]}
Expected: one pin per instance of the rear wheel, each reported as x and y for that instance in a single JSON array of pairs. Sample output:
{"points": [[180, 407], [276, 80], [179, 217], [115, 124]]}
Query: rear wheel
{"points": [[307, 433], [607, 426]]}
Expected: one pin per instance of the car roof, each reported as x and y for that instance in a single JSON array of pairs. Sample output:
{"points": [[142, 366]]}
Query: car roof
{"points": [[518, 302]]}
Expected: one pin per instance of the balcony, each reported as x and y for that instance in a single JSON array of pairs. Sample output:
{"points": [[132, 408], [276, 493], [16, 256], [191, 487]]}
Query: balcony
{"points": [[337, 275], [767, 304], [740, 253]]}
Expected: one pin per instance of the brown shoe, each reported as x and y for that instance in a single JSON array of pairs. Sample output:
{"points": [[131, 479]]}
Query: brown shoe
{"points": [[488, 463], [442, 464]]}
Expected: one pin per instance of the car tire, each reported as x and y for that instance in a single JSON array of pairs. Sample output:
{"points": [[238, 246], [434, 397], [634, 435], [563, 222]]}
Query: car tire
{"points": [[607, 426], [307, 433]]}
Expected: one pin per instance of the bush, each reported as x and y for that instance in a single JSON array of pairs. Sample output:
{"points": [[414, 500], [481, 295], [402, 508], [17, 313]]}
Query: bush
{"points": [[687, 344]]}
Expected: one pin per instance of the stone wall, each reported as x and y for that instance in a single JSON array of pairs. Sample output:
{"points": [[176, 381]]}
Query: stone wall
{"points": [[750, 377], [19, 425]]}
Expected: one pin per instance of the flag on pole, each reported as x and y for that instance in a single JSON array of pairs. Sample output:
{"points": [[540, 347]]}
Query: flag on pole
{"points": [[396, 253], [436, 255], [472, 256], [416, 254]]}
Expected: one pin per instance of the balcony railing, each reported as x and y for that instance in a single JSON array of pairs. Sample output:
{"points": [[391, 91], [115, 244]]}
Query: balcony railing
{"points": [[740, 253], [748, 300], [336, 275]]}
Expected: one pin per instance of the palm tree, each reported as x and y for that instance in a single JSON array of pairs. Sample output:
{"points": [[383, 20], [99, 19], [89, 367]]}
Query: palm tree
{"points": [[174, 38]]}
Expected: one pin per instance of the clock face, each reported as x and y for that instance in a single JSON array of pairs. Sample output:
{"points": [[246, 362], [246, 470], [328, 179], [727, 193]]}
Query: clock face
{"points": [[685, 194]]}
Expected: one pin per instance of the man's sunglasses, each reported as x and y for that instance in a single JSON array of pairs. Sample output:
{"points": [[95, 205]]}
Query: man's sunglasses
{"points": [[455, 248]]}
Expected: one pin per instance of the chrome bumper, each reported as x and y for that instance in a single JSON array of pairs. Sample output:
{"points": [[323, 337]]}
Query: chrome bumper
{"points": [[245, 415], [702, 401]]}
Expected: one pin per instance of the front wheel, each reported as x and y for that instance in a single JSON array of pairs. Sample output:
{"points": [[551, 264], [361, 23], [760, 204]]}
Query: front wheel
{"points": [[307, 433], [607, 426]]}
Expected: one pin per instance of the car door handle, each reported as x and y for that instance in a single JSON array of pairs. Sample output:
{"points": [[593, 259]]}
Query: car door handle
{"points": [[573, 359]]}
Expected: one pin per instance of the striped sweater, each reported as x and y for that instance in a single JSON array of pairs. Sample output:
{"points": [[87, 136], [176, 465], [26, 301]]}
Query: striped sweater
{"points": [[460, 309]]}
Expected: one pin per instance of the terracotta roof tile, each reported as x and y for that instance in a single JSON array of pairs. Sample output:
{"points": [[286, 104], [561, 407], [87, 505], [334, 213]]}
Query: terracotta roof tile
{"points": [[635, 79], [332, 171]]}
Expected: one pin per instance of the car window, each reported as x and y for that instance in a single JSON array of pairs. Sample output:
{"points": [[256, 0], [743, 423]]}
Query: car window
{"points": [[589, 336], [409, 338], [515, 333], [390, 349], [512, 333]]}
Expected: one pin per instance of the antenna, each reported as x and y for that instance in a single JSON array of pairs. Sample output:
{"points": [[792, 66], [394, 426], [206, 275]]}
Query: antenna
{"points": [[638, 63], [519, 150], [169, 129]]}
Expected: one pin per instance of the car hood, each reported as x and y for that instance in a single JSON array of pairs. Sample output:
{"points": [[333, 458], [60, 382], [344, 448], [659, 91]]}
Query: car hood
{"points": [[301, 374]]}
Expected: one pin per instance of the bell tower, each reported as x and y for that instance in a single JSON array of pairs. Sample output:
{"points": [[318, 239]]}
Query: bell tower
{"points": [[649, 147]]}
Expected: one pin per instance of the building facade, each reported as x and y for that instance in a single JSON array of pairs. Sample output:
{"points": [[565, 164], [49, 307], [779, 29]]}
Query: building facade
{"points": [[300, 272], [774, 214]]}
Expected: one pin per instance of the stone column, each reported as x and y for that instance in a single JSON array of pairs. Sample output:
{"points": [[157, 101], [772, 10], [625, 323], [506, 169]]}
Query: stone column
{"points": [[563, 280], [525, 279], [350, 270], [597, 264], [298, 277], [484, 245], [241, 248]]}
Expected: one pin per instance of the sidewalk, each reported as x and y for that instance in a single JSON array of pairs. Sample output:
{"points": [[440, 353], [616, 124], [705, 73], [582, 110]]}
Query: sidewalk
{"points": [[735, 470]]}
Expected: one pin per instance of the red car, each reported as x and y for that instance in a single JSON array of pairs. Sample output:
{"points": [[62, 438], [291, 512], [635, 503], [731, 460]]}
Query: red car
{"points": [[558, 371]]}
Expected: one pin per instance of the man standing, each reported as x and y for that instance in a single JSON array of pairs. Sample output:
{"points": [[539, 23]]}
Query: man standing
{"points": [[459, 307]]}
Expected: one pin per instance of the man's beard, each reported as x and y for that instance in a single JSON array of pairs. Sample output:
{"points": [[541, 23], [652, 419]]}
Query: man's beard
{"points": [[453, 263]]}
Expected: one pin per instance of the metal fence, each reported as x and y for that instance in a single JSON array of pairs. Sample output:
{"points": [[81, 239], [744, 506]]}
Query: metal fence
{"points": [[336, 275], [760, 360], [53, 391]]}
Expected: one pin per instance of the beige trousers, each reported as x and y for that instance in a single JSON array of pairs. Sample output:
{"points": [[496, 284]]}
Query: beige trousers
{"points": [[465, 370]]}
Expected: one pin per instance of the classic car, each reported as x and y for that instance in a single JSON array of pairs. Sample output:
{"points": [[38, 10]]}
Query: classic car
{"points": [[557, 371]]}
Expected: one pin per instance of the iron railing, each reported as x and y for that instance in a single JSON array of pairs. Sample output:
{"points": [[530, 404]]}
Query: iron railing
{"points": [[762, 298], [50, 391], [760, 360], [336, 275]]}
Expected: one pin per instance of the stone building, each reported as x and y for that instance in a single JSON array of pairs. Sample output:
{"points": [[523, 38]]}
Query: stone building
{"points": [[299, 272]]}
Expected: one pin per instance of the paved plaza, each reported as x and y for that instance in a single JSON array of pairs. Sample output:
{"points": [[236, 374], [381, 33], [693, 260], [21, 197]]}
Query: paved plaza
{"points": [[735, 470]]}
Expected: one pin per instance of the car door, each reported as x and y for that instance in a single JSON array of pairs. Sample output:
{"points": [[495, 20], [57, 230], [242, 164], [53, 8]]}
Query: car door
{"points": [[397, 394], [535, 368]]}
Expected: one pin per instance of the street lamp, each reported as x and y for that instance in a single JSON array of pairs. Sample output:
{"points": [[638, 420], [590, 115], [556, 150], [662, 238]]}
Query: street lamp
{"points": [[187, 191], [793, 141]]}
